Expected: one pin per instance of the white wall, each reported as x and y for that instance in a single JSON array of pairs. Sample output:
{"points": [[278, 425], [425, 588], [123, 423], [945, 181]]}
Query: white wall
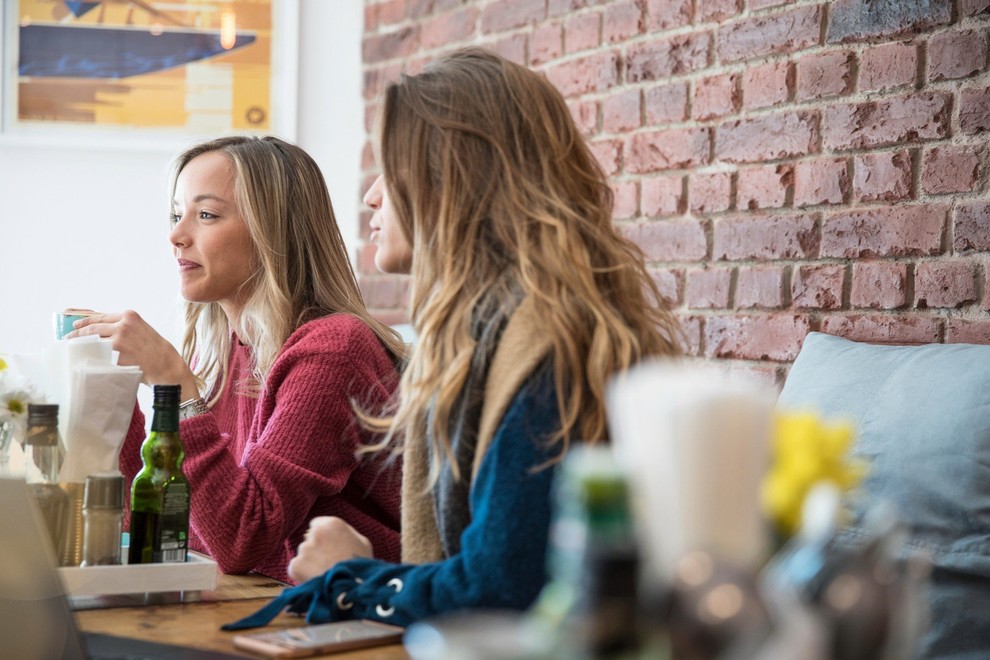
{"points": [[86, 226]]}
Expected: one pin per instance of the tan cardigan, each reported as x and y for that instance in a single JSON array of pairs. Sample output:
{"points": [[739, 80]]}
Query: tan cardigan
{"points": [[522, 348]]}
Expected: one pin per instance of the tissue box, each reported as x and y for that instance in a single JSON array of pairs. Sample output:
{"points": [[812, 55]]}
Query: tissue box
{"points": [[197, 573]]}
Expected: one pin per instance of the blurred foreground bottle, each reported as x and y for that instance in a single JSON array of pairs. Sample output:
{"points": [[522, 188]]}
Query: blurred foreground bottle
{"points": [[42, 462], [160, 492], [590, 604]]}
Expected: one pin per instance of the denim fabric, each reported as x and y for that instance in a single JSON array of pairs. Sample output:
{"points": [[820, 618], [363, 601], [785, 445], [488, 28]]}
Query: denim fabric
{"points": [[922, 415]]}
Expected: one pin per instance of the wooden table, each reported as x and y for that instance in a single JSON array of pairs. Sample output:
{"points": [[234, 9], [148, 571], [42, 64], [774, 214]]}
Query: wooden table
{"points": [[195, 619]]}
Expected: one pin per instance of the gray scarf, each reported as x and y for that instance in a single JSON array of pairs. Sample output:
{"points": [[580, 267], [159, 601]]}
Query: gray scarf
{"points": [[450, 494]]}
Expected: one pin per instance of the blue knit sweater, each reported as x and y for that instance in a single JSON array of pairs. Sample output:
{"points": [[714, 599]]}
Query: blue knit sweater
{"points": [[502, 559]]}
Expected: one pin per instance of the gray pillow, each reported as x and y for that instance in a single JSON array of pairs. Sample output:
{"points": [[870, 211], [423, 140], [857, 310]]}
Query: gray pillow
{"points": [[922, 415]]}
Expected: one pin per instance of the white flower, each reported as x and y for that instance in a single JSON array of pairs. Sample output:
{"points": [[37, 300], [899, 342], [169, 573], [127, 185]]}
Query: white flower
{"points": [[15, 395]]}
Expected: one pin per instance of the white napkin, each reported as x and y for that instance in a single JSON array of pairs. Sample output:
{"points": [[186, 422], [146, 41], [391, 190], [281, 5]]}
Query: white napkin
{"points": [[695, 443], [96, 404]]}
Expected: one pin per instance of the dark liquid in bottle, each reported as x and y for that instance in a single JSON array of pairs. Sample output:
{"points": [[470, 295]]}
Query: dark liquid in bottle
{"points": [[144, 531]]}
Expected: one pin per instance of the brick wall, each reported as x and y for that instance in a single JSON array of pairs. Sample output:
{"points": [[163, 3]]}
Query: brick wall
{"points": [[786, 165]]}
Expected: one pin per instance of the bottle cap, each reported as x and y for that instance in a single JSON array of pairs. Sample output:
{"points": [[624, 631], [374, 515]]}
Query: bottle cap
{"points": [[104, 491], [42, 413], [166, 395], [42, 425]]}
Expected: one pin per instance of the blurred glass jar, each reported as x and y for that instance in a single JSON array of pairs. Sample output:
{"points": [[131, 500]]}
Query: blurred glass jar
{"points": [[103, 511]]}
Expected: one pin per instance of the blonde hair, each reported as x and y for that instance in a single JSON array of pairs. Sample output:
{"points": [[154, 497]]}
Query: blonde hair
{"points": [[491, 181], [302, 268]]}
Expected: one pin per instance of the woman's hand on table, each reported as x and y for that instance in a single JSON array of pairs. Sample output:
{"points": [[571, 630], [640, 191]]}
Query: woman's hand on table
{"points": [[328, 540], [138, 344]]}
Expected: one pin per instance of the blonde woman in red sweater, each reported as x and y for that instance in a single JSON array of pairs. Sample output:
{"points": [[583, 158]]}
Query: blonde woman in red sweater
{"points": [[279, 350]]}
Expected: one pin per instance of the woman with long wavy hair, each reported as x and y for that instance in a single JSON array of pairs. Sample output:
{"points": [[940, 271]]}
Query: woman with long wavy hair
{"points": [[525, 301], [279, 353]]}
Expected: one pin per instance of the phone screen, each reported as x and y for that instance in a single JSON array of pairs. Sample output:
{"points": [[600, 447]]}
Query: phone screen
{"points": [[323, 638]]}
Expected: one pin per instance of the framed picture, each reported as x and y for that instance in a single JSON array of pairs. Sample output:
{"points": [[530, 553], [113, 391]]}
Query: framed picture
{"points": [[142, 72]]}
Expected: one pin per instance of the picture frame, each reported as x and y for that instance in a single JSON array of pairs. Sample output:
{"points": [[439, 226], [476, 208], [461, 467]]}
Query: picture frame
{"points": [[104, 74]]}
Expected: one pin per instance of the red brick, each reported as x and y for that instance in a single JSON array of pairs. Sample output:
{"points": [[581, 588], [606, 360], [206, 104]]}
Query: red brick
{"points": [[391, 45], [972, 227], [668, 281], [367, 156], [710, 193], [691, 325], [384, 291], [622, 20], [716, 96], [668, 240], [546, 43], [767, 84], [884, 176], [950, 169], [909, 118], [775, 337], [391, 12], [608, 153], [448, 28], [974, 7], [708, 288], [783, 32], [884, 232], [825, 74], [956, 54], [767, 138], [765, 237], [818, 286], [665, 103], [662, 195], [593, 73], [974, 110], [886, 66], [666, 14], [823, 181], [961, 331], [760, 287], [625, 199], [366, 259], [886, 329], [718, 10], [879, 284], [763, 187], [512, 47], [862, 20], [945, 284], [662, 58], [667, 150], [502, 15], [621, 111], [582, 32], [585, 114], [370, 18]]}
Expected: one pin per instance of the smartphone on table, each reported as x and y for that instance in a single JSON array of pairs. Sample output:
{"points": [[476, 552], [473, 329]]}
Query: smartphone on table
{"points": [[319, 639]]}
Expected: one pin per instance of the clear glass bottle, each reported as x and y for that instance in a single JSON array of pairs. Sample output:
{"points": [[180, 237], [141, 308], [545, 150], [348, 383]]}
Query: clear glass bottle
{"points": [[160, 492], [42, 461], [103, 511]]}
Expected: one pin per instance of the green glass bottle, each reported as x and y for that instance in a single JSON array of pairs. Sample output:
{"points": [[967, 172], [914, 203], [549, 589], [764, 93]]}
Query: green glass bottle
{"points": [[160, 492]]}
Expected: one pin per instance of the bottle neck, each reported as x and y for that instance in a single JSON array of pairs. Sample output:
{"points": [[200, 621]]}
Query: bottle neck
{"points": [[165, 420]]}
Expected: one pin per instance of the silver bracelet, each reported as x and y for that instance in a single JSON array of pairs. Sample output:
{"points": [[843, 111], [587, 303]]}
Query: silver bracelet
{"points": [[192, 407]]}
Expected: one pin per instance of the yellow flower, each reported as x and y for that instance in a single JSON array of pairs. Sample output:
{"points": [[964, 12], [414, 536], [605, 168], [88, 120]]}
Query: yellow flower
{"points": [[806, 451], [3, 364]]}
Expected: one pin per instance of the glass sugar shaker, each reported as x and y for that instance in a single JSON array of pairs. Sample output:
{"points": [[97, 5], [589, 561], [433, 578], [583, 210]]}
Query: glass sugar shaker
{"points": [[103, 511]]}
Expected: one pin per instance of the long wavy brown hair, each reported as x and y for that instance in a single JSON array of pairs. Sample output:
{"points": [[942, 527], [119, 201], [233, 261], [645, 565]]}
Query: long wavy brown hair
{"points": [[491, 181], [302, 270]]}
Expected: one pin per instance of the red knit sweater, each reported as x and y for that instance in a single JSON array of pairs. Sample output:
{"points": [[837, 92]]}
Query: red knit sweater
{"points": [[260, 468]]}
